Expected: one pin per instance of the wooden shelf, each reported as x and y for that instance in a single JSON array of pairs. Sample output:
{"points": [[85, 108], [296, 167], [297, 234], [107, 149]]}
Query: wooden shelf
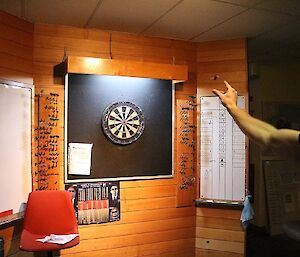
{"points": [[88, 65], [219, 204], [11, 218]]}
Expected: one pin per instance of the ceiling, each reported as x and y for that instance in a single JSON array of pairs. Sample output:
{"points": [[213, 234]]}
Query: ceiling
{"points": [[272, 26]]}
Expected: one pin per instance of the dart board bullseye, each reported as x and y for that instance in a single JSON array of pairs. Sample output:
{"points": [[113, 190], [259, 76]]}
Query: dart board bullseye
{"points": [[123, 122]]}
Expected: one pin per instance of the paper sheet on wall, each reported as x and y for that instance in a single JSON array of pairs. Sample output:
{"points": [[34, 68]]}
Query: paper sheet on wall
{"points": [[222, 152], [79, 158]]}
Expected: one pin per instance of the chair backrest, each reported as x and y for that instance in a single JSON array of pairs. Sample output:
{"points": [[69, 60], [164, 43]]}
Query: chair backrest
{"points": [[50, 212]]}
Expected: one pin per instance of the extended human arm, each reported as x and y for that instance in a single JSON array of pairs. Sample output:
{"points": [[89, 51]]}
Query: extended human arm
{"points": [[259, 131]]}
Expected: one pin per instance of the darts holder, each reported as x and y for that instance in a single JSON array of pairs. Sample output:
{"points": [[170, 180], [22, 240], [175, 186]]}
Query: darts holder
{"points": [[185, 151], [46, 140]]}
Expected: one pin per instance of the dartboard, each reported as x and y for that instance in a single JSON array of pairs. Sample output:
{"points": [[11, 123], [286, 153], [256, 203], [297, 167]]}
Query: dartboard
{"points": [[123, 122]]}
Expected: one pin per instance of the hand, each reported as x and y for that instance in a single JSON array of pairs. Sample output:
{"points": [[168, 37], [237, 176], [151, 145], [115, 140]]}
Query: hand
{"points": [[228, 98]]}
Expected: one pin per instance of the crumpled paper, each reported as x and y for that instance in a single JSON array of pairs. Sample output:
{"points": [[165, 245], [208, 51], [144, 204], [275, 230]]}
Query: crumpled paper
{"points": [[57, 239]]}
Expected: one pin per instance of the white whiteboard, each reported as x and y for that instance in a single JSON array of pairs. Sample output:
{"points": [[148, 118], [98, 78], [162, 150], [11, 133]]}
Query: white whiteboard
{"points": [[222, 152], [15, 142]]}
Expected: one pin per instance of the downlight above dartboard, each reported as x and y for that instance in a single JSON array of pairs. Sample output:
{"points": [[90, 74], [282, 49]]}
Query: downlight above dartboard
{"points": [[123, 122]]}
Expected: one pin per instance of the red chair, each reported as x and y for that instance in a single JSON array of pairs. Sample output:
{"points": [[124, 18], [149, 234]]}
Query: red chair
{"points": [[48, 212]]}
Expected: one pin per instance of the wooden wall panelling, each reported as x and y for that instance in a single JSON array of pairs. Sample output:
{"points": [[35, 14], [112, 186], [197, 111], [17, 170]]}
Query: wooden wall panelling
{"points": [[152, 227], [150, 222], [15, 75], [134, 240], [228, 59], [218, 231], [145, 192], [222, 50], [72, 44], [158, 214], [131, 228], [212, 253], [16, 49], [19, 34], [22, 51], [17, 63], [155, 49], [176, 248], [15, 22], [66, 32]]}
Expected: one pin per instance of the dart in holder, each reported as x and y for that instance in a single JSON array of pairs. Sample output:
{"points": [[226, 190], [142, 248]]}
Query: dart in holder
{"points": [[215, 77], [185, 151], [46, 168]]}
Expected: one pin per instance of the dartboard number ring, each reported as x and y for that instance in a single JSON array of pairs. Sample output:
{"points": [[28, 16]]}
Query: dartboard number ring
{"points": [[123, 122]]}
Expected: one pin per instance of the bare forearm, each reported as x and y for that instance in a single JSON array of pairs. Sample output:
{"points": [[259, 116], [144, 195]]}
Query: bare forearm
{"points": [[263, 133], [258, 131], [285, 136]]}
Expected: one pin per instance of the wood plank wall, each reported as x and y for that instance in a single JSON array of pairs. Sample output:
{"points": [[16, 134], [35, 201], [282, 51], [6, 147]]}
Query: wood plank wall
{"points": [[16, 49], [151, 224], [218, 231]]}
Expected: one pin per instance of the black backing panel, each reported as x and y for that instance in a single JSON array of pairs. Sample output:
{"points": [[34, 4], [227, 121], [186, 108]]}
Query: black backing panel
{"points": [[151, 154]]}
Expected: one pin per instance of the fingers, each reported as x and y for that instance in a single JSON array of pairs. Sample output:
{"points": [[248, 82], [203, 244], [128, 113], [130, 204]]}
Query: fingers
{"points": [[229, 91], [229, 87], [217, 92]]}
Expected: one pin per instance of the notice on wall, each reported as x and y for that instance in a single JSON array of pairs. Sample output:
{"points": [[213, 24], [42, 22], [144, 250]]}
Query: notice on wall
{"points": [[79, 159], [96, 203], [222, 152]]}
